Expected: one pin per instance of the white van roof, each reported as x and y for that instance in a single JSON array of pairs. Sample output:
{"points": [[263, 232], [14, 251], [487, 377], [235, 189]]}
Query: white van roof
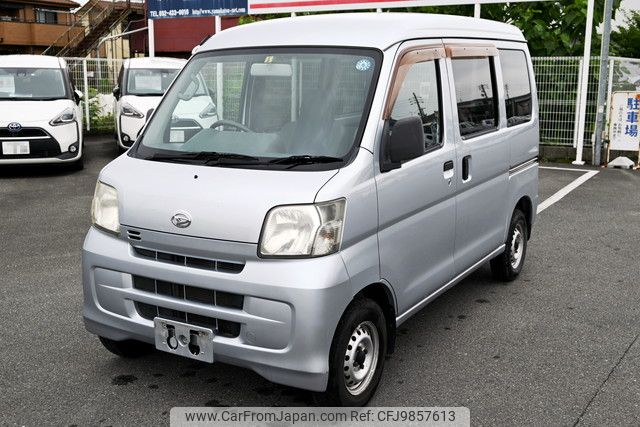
{"points": [[155, 62], [32, 61], [377, 30]]}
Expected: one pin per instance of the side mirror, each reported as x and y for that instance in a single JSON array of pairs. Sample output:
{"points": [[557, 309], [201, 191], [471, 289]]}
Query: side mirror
{"points": [[78, 96], [116, 92], [403, 140]]}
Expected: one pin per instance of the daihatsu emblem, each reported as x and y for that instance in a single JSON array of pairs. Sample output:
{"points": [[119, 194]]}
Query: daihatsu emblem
{"points": [[14, 127], [181, 220]]}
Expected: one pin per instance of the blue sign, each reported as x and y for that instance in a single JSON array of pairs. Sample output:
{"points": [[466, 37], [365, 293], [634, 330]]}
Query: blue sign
{"points": [[161, 9]]}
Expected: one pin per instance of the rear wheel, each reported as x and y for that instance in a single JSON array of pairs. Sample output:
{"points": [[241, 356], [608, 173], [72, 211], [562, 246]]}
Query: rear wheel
{"points": [[357, 355], [128, 348], [508, 264]]}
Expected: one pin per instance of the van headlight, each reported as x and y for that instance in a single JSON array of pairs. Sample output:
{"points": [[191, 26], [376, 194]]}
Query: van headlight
{"points": [[297, 231], [104, 208], [67, 116], [128, 110]]}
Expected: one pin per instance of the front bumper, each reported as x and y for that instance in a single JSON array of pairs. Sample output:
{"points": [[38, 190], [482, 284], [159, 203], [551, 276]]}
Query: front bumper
{"points": [[286, 322], [47, 144]]}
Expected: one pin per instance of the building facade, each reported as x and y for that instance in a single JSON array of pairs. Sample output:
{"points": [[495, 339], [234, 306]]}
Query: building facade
{"points": [[31, 26]]}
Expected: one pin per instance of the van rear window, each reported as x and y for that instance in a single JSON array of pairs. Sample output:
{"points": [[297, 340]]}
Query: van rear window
{"points": [[475, 95], [517, 86]]}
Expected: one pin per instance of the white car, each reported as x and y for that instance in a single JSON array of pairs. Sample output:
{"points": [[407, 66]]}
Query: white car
{"points": [[40, 116], [141, 84]]}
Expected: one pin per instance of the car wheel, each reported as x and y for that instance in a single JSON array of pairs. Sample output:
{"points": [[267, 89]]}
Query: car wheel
{"points": [[357, 355], [128, 348], [507, 266]]}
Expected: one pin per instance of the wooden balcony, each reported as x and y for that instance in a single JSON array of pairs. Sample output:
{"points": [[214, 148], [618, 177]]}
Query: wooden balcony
{"points": [[21, 33]]}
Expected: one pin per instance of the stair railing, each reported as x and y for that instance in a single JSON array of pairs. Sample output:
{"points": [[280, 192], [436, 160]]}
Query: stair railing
{"points": [[79, 22]]}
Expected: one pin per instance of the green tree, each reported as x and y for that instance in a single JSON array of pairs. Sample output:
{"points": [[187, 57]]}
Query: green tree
{"points": [[553, 28], [625, 41]]}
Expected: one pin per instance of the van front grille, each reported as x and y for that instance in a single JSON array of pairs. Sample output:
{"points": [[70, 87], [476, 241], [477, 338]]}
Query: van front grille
{"points": [[189, 293], [186, 261]]}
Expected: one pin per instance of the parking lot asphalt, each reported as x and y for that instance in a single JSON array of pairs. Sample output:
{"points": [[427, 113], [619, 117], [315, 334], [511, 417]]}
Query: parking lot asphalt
{"points": [[559, 346]]}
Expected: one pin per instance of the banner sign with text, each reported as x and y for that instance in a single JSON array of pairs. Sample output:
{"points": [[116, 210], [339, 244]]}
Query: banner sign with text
{"points": [[162, 9], [623, 123]]}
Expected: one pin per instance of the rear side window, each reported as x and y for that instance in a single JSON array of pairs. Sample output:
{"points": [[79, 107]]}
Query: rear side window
{"points": [[517, 86], [419, 96], [475, 95]]}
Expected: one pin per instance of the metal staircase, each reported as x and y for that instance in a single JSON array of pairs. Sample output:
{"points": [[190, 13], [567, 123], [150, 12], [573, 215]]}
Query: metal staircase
{"points": [[97, 18]]}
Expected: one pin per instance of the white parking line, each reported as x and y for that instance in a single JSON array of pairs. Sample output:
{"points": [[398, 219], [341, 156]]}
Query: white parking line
{"points": [[558, 168], [567, 188]]}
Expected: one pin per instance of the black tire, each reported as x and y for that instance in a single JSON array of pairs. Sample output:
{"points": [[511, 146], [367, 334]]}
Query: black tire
{"points": [[129, 349], [508, 265], [367, 314], [78, 165]]}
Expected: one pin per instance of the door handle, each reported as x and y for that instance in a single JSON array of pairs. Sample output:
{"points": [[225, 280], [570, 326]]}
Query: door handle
{"points": [[466, 168], [447, 171]]}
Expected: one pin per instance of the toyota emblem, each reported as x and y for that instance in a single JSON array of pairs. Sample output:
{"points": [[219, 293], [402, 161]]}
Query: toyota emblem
{"points": [[14, 127]]}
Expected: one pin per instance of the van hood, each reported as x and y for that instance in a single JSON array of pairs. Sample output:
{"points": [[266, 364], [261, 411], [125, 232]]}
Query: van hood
{"points": [[29, 113], [223, 203]]}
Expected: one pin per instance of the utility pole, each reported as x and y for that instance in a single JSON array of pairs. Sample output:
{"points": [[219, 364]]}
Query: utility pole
{"points": [[602, 82]]}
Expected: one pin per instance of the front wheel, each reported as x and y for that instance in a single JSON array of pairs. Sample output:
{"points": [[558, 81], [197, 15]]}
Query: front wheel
{"points": [[507, 266], [357, 355]]}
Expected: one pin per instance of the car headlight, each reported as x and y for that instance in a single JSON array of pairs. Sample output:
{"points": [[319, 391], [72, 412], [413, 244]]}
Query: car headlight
{"points": [[209, 111], [128, 110], [104, 208], [67, 116], [303, 230]]}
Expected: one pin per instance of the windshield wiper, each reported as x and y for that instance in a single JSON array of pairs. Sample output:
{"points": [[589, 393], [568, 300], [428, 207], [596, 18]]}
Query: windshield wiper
{"points": [[205, 157], [305, 159]]}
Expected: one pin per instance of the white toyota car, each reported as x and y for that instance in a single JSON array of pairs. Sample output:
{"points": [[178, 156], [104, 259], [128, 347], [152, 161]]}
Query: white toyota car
{"points": [[141, 84], [40, 114]]}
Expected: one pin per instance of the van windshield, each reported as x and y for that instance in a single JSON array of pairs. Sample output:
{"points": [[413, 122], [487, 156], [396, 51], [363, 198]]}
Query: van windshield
{"points": [[32, 84], [151, 82], [278, 108]]}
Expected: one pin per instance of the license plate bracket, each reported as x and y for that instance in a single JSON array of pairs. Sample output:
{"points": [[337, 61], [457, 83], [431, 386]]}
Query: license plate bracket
{"points": [[185, 340]]}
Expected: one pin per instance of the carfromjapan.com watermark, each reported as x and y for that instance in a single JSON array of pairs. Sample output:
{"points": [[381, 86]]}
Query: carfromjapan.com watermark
{"points": [[321, 416]]}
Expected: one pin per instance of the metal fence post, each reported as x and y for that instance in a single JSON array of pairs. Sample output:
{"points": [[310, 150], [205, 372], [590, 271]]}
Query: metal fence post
{"points": [[609, 90], [576, 116], [85, 80]]}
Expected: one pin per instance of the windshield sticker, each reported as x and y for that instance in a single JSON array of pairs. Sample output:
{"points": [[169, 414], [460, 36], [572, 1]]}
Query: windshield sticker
{"points": [[152, 82], [7, 84], [364, 64]]}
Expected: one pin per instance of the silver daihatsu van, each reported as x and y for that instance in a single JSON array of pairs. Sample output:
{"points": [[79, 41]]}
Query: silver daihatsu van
{"points": [[354, 173]]}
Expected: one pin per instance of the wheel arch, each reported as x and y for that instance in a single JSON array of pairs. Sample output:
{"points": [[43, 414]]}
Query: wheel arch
{"points": [[383, 295], [526, 206]]}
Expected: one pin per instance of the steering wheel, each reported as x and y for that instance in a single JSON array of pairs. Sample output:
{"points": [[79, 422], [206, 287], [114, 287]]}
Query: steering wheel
{"points": [[231, 123]]}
